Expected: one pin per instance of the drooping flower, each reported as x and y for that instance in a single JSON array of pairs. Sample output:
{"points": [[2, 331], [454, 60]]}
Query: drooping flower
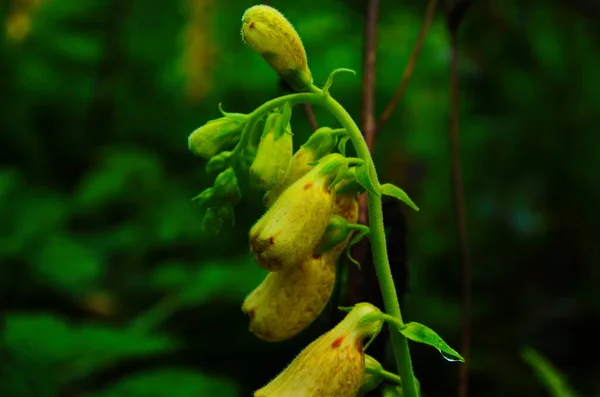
{"points": [[290, 230], [331, 366]]}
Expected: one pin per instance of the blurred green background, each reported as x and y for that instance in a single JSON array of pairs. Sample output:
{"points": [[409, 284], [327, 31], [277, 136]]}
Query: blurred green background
{"points": [[108, 287]]}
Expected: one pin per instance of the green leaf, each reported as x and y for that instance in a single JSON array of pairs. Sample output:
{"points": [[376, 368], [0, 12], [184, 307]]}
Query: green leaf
{"points": [[68, 265], [423, 334], [394, 191], [170, 382], [22, 337], [76, 350], [363, 177], [553, 380]]}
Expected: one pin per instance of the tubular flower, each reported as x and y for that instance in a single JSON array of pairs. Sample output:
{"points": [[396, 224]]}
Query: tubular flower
{"points": [[290, 230], [274, 154], [287, 302], [331, 366], [271, 35], [320, 143]]}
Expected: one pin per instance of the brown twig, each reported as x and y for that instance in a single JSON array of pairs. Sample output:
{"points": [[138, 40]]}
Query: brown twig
{"points": [[310, 115], [368, 128], [459, 209], [368, 82], [410, 66]]}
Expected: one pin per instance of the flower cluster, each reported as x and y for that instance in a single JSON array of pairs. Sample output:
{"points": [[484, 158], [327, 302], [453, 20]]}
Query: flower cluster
{"points": [[310, 218]]}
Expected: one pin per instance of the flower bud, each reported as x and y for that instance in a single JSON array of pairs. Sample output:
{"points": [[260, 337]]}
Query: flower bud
{"points": [[372, 377], [274, 154], [320, 143], [216, 135], [226, 186], [272, 36], [336, 232], [349, 185], [218, 162], [287, 302], [289, 231], [216, 217], [207, 198], [332, 365]]}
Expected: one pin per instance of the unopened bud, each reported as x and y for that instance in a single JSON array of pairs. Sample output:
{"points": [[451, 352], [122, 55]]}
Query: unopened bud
{"points": [[216, 217], [349, 184], [216, 135], [226, 186], [332, 365], [320, 143], [218, 162], [207, 198], [372, 377], [274, 155], [337, 231], [271, 35]]}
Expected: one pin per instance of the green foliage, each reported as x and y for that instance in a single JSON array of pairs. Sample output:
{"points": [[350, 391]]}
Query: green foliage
{"points": [[170, 382], [551, 378]]}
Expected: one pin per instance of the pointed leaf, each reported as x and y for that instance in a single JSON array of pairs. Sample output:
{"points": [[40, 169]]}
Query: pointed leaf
{"points": [[394, 191], [423, 334], [363, 177]]}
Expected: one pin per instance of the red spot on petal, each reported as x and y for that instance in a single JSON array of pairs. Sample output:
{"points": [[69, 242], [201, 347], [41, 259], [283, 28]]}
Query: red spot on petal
{"points": [[251, 26], [337, 342], [272, 240], [251, 313], [315, 256], [308, 186]]}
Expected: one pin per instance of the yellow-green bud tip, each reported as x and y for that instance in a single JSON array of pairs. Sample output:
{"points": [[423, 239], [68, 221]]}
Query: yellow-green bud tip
{"points": [[270, 34]]}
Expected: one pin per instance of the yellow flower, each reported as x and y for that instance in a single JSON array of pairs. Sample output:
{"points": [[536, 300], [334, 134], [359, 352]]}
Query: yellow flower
{"points": [[320, 143], [331, 366], [287, 302], [289, 231]]}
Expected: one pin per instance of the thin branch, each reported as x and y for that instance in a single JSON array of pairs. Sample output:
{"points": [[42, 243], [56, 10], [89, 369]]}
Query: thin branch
{"points": [[310, 115], [459, 209], [368, 129], [368, 83], [410, 66]]}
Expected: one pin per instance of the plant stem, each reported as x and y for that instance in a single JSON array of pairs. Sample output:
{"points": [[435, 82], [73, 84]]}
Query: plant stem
{"points": [[378, 243], [379, 249], [390, 376]]}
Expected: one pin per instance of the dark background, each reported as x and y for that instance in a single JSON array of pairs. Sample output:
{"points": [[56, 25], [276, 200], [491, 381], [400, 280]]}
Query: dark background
{"points": [[108, 287]]}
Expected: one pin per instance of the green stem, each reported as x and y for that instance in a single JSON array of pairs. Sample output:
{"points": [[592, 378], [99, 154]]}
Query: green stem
{"points": [[377, 232], [390, 376]]}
